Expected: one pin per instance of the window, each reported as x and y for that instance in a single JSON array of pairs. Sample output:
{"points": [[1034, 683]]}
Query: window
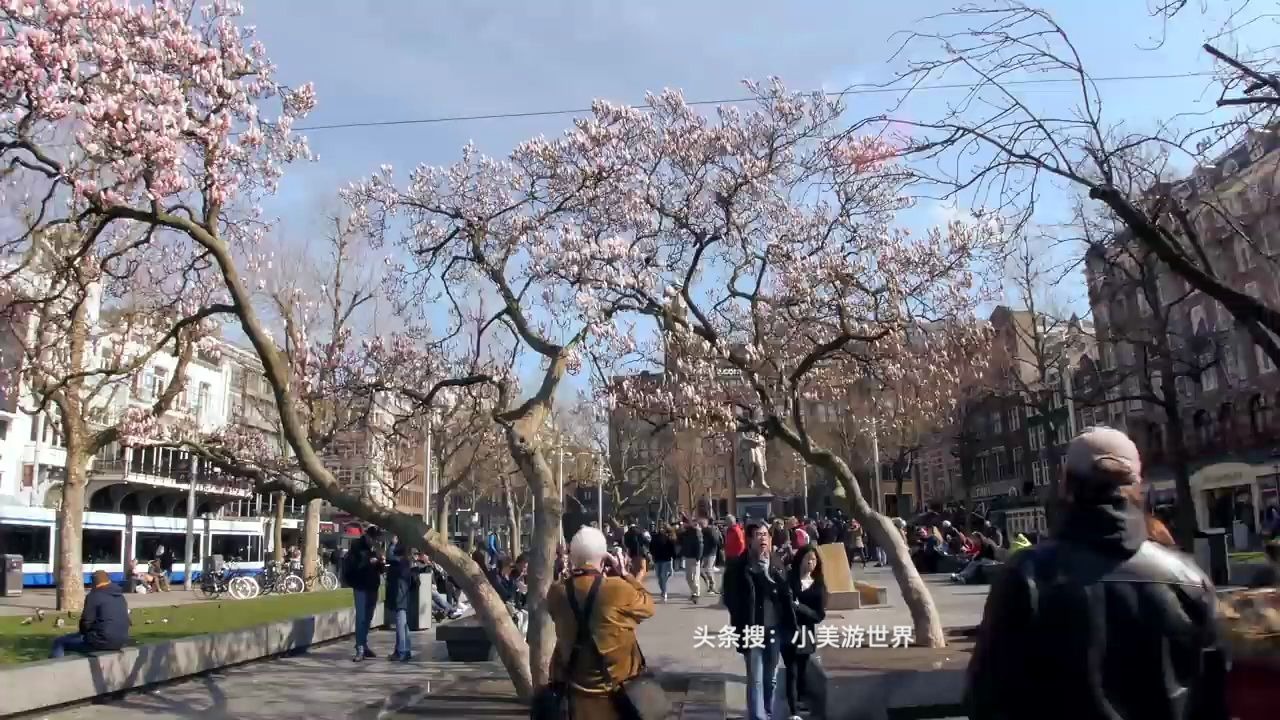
{"points": [[1243, 254], [1037, 473], [1230, 360], [32, 542], [344, 476], [1108, 356], [997, 423], [146, 544], [1061, 432], [1017, 463], [998, 454], [1127, 356], [203, 394], [1015, 419], [1157, 384], [102, 547], [1264, 361], [231, 547], [1209, 379], [1198, 324], [1132, 390]]}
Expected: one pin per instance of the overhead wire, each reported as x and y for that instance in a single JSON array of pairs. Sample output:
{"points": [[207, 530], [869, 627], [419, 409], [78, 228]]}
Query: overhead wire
{"points": [[731, 100]]}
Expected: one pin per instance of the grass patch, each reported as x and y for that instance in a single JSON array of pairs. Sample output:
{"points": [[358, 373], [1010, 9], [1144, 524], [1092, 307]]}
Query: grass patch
{"points": [[24, 643], [1247, 557]]}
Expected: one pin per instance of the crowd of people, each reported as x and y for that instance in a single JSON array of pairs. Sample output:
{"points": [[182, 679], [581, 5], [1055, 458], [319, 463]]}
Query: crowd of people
{"points": [[1106, 618]]}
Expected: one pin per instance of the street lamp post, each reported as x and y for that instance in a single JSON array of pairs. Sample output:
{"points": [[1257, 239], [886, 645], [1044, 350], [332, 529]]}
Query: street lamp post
{"points": [[560, 485]]}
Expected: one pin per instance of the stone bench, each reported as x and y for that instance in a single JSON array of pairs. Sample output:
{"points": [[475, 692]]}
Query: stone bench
{"points": [[77, 678], [886, 684], [466, 640]]}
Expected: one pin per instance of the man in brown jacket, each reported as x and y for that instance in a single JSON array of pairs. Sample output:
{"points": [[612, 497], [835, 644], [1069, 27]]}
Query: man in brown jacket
{"points": [[620, 605]]}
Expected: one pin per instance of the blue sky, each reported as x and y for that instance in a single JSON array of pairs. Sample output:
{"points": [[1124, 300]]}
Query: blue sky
{"points": [[377, 61]]}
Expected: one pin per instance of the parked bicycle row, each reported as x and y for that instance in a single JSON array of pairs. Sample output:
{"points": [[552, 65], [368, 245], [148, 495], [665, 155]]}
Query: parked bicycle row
{"points": [[275, 578]]}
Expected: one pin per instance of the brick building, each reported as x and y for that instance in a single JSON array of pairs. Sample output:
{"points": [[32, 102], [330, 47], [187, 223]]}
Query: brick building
{"points": [[1224, 385]]}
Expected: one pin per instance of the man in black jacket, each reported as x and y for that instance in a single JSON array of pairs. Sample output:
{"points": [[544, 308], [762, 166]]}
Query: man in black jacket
{"points": [[362, 571], [104, 623], [759, 600], [711, 542], [691, 547], [1099, 623]]}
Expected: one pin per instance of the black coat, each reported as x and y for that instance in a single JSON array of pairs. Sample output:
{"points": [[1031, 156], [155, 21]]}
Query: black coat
{"points": [[810, 610], [711, 541], [105, 619], [745, 594], [1099, 624], [361, 568], [402, 579], [691, 541], [662, 548]]}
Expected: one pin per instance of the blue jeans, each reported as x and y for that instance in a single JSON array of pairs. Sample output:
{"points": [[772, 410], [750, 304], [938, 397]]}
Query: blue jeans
{"points": [[664, 574], [74, 642], [762, 678], [440, 602], [402, 633], [366, 603]]}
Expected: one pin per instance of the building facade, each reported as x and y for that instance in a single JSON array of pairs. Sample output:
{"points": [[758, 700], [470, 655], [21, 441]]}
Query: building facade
{"points": [[1225, 388]]}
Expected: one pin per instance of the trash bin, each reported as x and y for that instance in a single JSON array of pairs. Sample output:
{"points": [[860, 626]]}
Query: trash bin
{"points": [[419, 615], [1211, 555], [11, 579]]}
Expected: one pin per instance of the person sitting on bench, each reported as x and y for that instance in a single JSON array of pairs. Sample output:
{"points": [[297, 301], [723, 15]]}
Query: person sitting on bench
{"points": [[104, 624]]}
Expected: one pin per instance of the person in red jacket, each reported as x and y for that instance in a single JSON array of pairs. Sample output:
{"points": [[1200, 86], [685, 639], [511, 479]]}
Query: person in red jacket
{"points": [[735, 541]]}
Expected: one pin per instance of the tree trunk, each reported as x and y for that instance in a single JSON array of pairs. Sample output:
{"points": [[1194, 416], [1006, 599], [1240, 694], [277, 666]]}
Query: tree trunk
{"points": [[1185, 524], [543, 540], [70, 573], [441, 519], [924, 613], [277, 530], [311, 543], [513, 519]]}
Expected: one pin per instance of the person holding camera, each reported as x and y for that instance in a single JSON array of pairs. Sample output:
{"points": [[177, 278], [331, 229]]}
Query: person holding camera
{"points": [[596, 612]]}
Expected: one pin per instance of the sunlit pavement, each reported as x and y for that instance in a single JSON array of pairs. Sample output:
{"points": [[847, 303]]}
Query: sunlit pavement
{"points": [[324, 683]]}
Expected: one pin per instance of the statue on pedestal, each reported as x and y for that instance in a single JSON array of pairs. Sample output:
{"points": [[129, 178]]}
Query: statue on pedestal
{"points": [[751, 461]]}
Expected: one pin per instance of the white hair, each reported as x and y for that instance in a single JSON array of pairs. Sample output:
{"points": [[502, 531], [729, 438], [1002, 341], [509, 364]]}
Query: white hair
{"points": [[588, 547]]}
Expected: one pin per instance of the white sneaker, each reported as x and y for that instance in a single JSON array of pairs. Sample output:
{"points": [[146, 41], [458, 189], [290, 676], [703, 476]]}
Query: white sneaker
{"points": [[664, 597]]}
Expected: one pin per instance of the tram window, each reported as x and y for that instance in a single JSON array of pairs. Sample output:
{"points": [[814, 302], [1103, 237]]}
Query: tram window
{"points": [[29, 541], [176, 543], [231, 547], [101, 547], [255, 548]]}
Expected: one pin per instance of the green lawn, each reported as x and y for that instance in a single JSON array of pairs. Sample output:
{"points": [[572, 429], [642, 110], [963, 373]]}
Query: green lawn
{"points": [[24, 643], [1247, 557]]}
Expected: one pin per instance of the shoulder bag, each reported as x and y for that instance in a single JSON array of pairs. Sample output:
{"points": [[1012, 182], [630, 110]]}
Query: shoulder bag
{"points": [[552, 701], [637, 698]]}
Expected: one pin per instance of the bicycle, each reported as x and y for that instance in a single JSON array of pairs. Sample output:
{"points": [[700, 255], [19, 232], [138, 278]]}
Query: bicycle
{"points": [[226, 580], [324, 579], [277, 579]]}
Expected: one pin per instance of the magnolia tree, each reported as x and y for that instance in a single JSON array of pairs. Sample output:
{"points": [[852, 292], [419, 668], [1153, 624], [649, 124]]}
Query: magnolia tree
{"points": [[96, 131], [757, 229]]}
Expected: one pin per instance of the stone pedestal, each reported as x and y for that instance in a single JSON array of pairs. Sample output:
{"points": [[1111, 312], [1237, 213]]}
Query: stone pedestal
{"points": [[868, 683]]}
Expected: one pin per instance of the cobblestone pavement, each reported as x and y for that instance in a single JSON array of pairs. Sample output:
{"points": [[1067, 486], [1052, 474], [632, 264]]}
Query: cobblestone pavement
{"points": [[324, 683]]}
